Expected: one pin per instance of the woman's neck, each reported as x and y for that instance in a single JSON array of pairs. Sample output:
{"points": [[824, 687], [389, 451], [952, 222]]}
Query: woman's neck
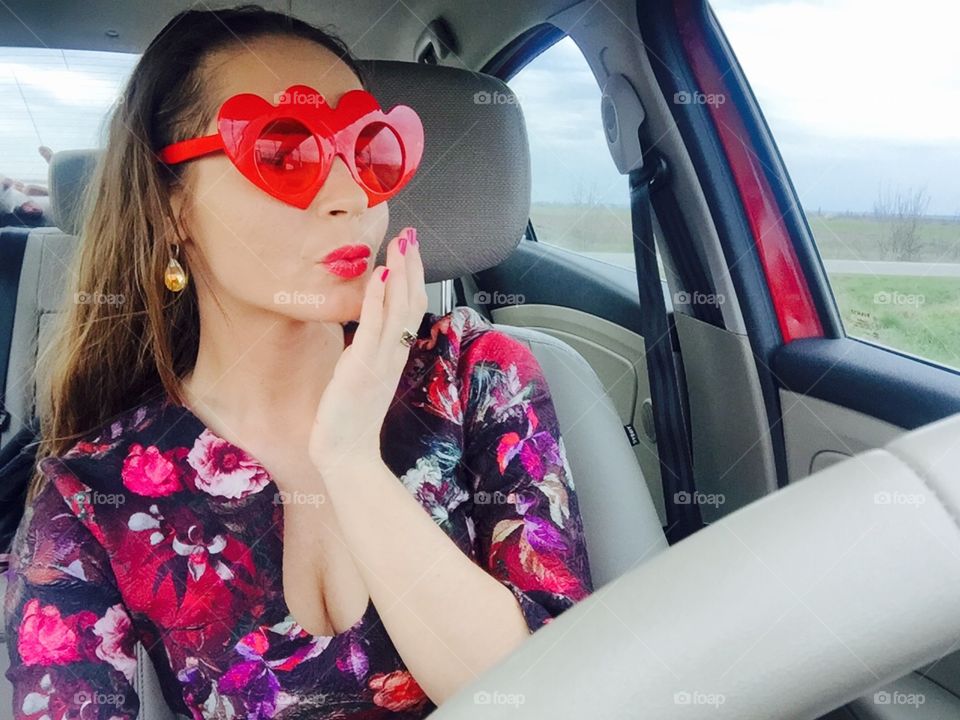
{"points": [[273, 374]]}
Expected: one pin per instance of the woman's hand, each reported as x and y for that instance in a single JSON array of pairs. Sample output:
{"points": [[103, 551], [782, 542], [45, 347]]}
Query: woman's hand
{"points": [[346, 429]]}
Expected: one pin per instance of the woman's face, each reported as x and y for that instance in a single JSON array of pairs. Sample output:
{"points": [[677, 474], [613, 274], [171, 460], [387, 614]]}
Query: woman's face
{"points": [[259, 251]]}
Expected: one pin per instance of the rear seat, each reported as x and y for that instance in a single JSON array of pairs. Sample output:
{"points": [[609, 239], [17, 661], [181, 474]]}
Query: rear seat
{"points": [[47, 250], [13, 242]]}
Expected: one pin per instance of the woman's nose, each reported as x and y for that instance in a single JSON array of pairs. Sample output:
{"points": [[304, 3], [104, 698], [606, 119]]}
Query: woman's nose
{"points": [[340, 193]]}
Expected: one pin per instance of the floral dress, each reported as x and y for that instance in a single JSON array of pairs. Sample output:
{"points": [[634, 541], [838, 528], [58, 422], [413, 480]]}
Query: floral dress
{"points": [[155, 530]]}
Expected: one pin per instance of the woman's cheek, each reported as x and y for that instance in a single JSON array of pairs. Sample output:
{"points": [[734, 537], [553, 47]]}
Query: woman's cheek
{"points": [[374, 223]]}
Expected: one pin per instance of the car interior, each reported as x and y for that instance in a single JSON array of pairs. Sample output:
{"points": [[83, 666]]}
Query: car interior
{"points": [[795, 592]]}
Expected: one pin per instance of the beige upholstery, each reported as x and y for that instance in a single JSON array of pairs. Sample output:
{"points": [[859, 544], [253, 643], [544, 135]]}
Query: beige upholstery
{"points": [[787, 608]]}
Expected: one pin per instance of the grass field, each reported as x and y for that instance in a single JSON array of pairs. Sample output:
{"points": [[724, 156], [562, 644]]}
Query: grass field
{"points": [[843, 237], [918, 315]]}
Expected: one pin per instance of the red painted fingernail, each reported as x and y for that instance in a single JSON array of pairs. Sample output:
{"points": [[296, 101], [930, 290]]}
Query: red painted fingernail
{"points": [[383, 275], [403, 245], [412, 234]]}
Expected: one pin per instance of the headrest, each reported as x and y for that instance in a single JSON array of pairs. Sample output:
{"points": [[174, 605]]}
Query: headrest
{"points": [[69, 175], [470, 197]]}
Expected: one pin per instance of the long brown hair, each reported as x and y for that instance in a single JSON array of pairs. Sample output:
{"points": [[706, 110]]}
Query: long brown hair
{"points": [[105, 357]]}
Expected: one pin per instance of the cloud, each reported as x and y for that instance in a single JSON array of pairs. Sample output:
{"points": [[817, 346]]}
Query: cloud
{"points": [[560, 100], [851, 68], [858, 94]]}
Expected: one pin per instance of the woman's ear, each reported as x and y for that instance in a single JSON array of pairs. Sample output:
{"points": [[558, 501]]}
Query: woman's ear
{"points": [[179, 213]]}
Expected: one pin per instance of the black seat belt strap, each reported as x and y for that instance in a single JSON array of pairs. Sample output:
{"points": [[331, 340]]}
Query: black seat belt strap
{"points": [[673, 442]]}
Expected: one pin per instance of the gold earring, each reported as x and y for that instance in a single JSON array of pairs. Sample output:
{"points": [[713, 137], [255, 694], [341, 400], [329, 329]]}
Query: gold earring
{"points": [[175, 277]]}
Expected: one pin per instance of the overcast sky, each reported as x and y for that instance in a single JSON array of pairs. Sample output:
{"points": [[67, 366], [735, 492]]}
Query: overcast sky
{"points": [[859, 95], [55, 98]]}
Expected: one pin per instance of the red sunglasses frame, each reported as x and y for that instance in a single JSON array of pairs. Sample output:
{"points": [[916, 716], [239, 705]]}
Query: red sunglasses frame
{"points": [[243, 117]]}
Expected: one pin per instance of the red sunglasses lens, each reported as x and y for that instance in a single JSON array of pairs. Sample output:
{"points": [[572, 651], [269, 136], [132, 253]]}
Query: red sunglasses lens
{"points": [[287, 156], [379, 157]]}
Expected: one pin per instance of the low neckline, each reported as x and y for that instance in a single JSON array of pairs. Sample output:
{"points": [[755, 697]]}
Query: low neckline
{"points": [[353, 628], [193, 417], [185, 411]]}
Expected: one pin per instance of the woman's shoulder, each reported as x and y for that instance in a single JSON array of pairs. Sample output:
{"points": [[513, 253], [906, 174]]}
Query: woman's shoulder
{"points": [[466, 339], [453, 333], [97, 460]]}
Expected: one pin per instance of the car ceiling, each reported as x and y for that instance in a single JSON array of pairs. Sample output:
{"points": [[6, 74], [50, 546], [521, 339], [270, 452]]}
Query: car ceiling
{"points": [[374, 29]]}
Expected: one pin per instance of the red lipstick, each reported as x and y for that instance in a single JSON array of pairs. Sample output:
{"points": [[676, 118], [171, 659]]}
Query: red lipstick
{"points": [[348, 260]]}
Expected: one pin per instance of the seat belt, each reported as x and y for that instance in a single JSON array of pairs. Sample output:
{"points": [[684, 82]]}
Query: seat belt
{"points": [[686, 260], [672, 439], [13, 243]]}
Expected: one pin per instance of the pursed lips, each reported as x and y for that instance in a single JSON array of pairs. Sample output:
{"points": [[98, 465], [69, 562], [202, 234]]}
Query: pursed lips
{"points": [[347, 252]]}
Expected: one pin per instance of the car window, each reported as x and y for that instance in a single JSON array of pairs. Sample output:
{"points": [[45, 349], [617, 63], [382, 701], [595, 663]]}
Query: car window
{"points": [[54, 98], [862, 99], [579, 200]]}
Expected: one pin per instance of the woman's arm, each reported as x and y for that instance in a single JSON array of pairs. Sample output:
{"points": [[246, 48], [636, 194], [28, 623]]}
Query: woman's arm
{"points": [[450, 618]]}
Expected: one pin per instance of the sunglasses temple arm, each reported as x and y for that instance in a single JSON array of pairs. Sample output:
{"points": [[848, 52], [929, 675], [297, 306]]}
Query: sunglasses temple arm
{"points": [[188, 149]]}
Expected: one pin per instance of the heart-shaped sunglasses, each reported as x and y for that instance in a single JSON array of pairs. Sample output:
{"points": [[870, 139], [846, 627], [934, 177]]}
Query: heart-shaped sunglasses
{"points": [[287, 150]]}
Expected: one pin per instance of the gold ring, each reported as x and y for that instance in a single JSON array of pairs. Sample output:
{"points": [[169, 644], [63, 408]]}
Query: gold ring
{"points": [[408, 338]]}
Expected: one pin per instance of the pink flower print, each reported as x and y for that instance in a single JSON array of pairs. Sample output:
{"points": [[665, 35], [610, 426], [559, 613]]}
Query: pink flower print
{"points": [[223, 469], [44, 637], [114, 630], [147, 471]]}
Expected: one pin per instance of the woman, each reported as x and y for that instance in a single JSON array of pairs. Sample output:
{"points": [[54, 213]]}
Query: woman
{"points": [[304, 494]]}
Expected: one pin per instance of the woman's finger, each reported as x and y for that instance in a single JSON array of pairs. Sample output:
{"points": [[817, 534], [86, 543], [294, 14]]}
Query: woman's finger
{"points": [[416, 295], [366, 338], [416, 286], [395, 306]]}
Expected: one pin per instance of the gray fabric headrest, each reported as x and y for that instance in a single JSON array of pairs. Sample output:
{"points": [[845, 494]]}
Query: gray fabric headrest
{"points": [[69, 175], [470, 197]]}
